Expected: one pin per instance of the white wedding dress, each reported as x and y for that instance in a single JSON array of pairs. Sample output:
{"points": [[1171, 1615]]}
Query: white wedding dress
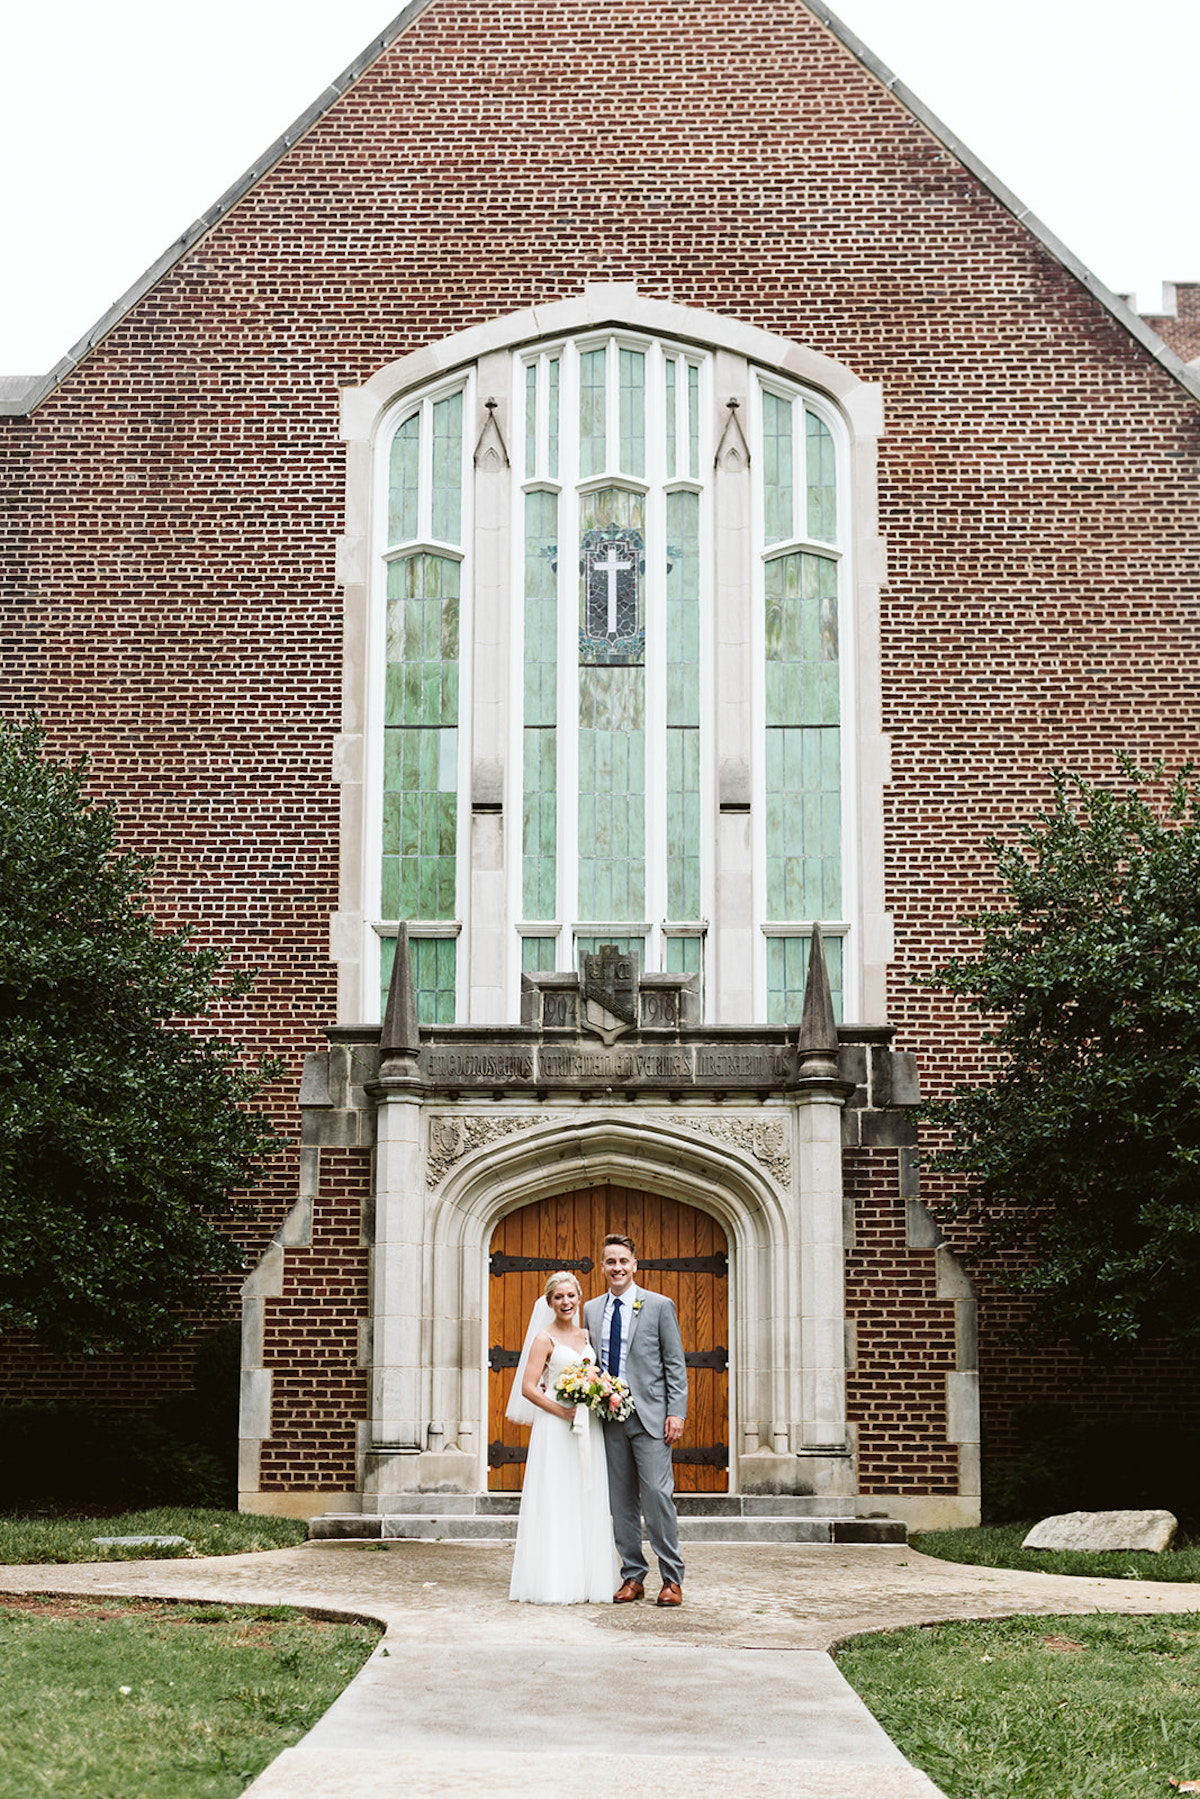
{"points": [[565, 1553]]}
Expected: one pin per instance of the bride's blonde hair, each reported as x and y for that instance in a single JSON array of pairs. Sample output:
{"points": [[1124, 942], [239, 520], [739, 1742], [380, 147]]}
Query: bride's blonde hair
{"points": [[557, 1280]]}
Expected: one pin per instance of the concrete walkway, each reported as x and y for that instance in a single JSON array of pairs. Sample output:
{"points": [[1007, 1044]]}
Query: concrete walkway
{"points": [[468, 1694]]}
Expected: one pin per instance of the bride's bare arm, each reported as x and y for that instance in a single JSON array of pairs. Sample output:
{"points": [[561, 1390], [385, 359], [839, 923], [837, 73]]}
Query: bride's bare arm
{"points": [[535, 1367]]}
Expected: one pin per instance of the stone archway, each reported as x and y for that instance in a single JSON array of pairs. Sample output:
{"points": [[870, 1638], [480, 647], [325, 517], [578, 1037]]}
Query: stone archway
{"points": [[764, 1174]]}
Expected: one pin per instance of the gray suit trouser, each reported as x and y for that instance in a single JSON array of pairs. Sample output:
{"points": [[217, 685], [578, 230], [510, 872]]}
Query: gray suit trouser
{"points": [[641, 1484]]}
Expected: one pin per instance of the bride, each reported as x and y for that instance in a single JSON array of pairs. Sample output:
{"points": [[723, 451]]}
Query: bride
{"points": [[565, 1553]]}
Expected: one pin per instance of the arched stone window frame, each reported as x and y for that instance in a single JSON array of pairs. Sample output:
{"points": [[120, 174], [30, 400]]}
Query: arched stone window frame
{"points": [[740, 356]]}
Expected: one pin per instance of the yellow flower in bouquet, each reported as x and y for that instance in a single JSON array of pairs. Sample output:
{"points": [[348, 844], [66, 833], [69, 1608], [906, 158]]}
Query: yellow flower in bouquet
{"points": [[583, 1383]]}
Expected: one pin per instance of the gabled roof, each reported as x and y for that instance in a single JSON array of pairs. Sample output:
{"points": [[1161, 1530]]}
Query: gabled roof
{"points": [[20, 396]]}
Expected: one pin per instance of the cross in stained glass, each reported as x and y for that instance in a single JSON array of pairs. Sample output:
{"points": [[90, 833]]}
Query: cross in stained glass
{"points": [[611, 566]]}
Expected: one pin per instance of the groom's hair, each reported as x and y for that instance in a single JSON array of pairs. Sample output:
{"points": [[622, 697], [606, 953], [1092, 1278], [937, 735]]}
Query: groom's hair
{"points": [[625, 1242]]}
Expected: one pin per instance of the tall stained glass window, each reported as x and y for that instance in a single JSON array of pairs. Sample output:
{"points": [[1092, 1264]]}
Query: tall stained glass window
{"points": [[802, 699], [612, 838], [419, 847], [618, 526]]}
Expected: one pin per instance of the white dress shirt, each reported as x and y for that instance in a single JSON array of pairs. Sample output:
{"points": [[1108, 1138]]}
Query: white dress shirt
{"points": [[627, 1298]]}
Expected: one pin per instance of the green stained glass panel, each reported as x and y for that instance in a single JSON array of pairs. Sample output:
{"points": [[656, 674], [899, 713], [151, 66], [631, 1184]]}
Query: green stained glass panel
{"points": [[777, 468], [787, 972], [538, 955], [539, 823], [420, 740], [685, 955], [822, 480], [632, 389], [541, 609], [672, 423], [531, 375], [683, 609], [803, 823], [553, 445], [612, 790], [447, 469], [683, 705], [403, 480], [434, 961], [683, 824], [802, 740], [591, 413], [694, 422], [801, 641]]}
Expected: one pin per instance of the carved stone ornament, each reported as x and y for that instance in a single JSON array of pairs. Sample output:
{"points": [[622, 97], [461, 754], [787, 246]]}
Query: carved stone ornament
{"points": [[766, 1139], [453, 1135], [609, 989]]}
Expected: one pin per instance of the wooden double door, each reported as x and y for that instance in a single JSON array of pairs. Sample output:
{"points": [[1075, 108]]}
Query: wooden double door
{"points": [[682, 1253]]}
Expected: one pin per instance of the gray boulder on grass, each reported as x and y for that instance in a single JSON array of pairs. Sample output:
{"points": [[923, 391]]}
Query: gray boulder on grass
{"points": [[1100, 1531]]}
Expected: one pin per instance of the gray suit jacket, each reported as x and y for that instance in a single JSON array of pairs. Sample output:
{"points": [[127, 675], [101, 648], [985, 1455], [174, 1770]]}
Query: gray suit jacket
{"points": [[655, 1370]]}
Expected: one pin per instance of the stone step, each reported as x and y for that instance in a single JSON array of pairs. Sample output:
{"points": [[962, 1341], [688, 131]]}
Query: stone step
{"points": [[463, 1526], [688, 1505]]}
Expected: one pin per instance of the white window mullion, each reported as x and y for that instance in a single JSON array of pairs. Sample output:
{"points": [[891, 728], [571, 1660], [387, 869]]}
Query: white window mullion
{"points": [[708, 804], [758, 707], [541, 453], [425, 478], [515, 797], [466, 688], [612, 407], [568, 652], [655, 613]]}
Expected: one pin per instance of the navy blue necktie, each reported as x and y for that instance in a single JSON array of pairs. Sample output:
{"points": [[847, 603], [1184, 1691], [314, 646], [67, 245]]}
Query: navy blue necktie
{"points": [[614, 1339]]}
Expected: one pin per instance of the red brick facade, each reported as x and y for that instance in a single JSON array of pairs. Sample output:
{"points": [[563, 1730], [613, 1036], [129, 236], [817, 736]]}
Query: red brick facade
{"points": [[167, 543], [311, 1338]]}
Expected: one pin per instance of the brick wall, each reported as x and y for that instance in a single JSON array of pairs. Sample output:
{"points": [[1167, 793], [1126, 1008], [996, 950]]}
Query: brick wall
{"points": [[904, 1340], [172, 598], [311, 1337]]}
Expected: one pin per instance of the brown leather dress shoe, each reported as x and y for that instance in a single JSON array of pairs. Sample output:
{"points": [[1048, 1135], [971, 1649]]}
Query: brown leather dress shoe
{"points": [[672, 1593], [628, 1591]]}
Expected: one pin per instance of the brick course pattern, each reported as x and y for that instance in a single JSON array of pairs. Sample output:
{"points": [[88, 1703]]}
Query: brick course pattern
{"points": [[167, 544], [904, 1338], [311, 1338]]}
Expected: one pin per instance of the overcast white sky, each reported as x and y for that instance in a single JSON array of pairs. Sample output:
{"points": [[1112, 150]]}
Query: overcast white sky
{"points": [[124, 120]]}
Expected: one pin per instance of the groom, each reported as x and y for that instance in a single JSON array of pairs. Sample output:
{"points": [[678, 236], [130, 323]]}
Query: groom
{"points": [[637, 1335]]}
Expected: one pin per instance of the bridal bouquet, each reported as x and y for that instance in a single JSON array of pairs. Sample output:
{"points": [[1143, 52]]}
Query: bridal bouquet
{"points": [[585, 1384]]}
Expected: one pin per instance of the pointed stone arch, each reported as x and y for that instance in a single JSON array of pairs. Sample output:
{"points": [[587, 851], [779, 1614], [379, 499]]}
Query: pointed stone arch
{"points": [[743, 1171]]}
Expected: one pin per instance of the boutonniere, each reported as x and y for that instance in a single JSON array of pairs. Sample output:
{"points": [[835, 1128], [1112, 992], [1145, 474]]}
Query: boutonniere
{"points": [[637, 1305]]}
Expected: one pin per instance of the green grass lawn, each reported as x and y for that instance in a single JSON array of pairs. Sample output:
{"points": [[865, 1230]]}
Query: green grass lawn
{"points": [[1093, 1707], [208, 1533], [999, 1546], [137, 1699]]}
